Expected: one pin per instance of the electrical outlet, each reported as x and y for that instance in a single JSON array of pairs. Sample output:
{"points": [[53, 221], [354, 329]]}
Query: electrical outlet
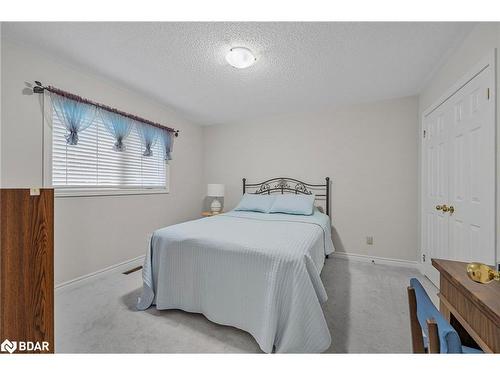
{"points": [[369, 240]]}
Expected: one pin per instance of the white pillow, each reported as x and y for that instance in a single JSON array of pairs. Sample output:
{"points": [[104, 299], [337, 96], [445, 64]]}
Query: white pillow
{"points": [[294, 204], [256, 202]]}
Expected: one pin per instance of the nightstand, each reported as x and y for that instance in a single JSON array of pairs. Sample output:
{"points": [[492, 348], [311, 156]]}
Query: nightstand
{"points": [[210, 213]]}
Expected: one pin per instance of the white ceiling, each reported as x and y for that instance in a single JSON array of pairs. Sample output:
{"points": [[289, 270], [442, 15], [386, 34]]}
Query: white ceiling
{"points": [[300, 66]]}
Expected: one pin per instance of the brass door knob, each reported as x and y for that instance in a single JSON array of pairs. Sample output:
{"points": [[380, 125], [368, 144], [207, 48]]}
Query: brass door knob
{"points": [[451, 209], [445, 208], [439, 207]]}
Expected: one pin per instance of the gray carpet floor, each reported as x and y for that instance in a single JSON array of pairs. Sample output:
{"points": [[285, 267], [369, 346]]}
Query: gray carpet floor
{"points": [[367, 312]]}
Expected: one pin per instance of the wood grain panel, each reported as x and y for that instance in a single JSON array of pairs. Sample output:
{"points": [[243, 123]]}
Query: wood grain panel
{"points": [[485, 296], [463, 309], [26, 266], [475, 306]]}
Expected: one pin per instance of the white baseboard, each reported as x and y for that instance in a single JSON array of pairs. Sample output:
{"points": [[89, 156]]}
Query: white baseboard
{"points": [[376, 260], [119, 267], [420, 268], [139, 261]]}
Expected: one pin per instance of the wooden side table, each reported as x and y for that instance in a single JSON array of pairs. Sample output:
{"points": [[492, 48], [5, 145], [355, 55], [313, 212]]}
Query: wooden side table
{"points": [[472, 309], [210, 213]]}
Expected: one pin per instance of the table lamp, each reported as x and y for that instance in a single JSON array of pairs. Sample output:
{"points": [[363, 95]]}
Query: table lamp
{"points": [[215, 191]]}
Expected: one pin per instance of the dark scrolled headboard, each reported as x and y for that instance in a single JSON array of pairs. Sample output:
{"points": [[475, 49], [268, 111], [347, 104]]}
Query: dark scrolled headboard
{"points": [[291, 185]]}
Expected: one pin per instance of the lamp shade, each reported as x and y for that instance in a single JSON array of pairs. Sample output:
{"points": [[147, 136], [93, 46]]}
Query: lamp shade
{"points": [[215, 190]]}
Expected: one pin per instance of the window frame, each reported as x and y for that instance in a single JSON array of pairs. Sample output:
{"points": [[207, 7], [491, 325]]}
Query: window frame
{"points": [[64, 192]]}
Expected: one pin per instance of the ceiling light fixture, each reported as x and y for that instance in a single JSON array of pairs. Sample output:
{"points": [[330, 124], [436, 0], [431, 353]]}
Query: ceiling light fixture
{"points": [[240, 57]]}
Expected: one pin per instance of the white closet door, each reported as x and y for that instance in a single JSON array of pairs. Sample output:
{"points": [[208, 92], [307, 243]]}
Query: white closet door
{"points": [[472, 173], [459, 172], [436, 149]]}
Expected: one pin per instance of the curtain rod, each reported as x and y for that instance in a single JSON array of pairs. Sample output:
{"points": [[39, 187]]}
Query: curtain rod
{"points": [[39, 89]]}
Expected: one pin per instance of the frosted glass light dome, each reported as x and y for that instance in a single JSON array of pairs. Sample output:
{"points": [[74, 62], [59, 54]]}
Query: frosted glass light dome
{"points": [[240, 57]]}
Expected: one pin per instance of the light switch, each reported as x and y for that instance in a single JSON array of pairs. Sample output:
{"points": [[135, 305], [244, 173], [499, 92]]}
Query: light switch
{"points": [[369, 240]]}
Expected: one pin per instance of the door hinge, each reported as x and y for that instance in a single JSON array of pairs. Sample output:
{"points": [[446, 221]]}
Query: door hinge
{"points": [[425, 133], [488, 93], [423, 258]]}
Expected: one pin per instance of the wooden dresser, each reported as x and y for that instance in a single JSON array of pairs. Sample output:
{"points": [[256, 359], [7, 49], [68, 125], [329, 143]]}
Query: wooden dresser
{"points": [[472, 308], [27, 270]]}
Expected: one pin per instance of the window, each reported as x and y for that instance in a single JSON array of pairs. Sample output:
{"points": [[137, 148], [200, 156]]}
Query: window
{"points": [[93, 164]]}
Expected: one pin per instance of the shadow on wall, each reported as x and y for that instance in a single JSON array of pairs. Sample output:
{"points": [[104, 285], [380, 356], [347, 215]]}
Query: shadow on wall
{"points": [[28, 88], [337, 241]]}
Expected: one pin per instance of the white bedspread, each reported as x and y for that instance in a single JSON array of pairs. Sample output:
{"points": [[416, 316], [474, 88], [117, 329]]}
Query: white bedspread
{"points": [[257, 272]]}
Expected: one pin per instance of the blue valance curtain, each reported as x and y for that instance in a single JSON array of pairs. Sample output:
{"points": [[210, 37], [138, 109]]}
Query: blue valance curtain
{"points": [[118, 126], [168, 142], [149, 135], [75, 116]]}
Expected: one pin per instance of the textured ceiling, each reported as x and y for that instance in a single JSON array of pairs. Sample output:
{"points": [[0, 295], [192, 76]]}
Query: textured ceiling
{"points": [[300, 66]]}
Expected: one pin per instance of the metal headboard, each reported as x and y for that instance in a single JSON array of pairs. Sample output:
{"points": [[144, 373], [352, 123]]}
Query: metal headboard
{"points": [[290, 185]]}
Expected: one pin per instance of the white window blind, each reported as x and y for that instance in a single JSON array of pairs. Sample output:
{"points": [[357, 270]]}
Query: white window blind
{"points": [[94, 164]]}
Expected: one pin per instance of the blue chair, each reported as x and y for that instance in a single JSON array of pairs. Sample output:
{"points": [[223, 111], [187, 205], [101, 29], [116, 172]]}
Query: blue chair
{"points": [[424, 316]]}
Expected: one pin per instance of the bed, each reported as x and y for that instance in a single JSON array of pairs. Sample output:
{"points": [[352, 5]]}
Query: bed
{"points": [[259, 272]]}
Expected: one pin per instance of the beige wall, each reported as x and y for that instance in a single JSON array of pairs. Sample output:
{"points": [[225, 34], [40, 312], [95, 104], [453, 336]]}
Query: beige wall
{"points": [[368, 150], [477, 45], [481, 41], [92, 232]]}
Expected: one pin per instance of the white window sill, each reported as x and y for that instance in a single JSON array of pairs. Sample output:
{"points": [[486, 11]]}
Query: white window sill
{"points": [[67, 193]]}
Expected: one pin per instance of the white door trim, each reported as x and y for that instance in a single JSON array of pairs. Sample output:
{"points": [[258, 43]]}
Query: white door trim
{"points": [[488, 61]]}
